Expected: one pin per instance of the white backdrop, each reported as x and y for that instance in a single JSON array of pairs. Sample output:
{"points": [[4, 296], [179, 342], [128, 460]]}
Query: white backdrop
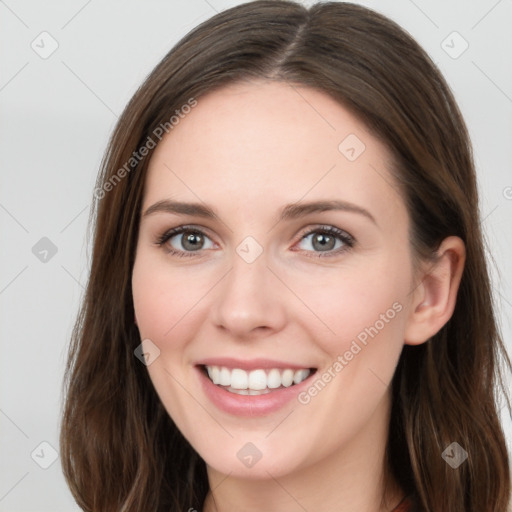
{"points": [[67, 69]]}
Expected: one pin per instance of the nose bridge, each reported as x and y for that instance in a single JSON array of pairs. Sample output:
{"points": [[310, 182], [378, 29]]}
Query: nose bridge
{"points": [[247, 299]]}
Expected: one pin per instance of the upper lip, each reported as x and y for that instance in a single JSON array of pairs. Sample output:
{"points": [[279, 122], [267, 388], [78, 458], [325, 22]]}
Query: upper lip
{"points": [[250, 364]]}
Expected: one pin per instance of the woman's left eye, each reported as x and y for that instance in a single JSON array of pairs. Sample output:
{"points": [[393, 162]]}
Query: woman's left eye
{"points": [[328, 240]]}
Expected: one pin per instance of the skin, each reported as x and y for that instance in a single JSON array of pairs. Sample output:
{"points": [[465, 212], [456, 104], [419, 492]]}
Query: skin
{"points": [[248, 150]]}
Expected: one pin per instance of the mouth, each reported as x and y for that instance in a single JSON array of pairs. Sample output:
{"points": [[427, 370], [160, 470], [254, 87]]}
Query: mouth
{"points": [[258, 381]]}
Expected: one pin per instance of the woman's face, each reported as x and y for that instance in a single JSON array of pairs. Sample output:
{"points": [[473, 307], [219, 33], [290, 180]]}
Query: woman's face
{"points": [[294, 264]]}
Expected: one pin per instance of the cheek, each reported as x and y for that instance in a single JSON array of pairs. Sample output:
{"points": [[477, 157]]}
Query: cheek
{"points": [[165, 297], [168, 308], [363, 317], [355, 304]]}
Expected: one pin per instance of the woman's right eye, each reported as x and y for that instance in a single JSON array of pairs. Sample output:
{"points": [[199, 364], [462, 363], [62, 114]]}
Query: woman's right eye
{"points": [[183, 241]]}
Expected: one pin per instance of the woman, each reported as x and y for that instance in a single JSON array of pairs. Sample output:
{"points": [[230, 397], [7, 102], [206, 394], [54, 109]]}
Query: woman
{"points": [[289, 306]]}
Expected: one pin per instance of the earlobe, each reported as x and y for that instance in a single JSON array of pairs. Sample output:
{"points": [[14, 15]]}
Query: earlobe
{"points": [[434, 299]]}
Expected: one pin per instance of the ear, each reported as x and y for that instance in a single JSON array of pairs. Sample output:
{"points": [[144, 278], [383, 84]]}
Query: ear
{"points": [[434, 299]]}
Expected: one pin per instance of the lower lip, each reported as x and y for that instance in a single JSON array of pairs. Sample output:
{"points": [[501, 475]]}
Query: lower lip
{"points": [[250, 405]]}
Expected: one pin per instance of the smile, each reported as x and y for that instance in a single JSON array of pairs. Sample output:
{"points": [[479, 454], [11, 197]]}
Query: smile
{"points": [[255, 382], [252, 387]]}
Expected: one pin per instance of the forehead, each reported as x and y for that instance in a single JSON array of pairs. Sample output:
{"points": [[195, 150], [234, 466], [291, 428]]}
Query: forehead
{"points": [[271, 142]]}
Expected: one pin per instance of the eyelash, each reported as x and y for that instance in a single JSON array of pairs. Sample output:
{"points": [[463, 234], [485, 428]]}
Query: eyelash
{"points": [[337, 233]]}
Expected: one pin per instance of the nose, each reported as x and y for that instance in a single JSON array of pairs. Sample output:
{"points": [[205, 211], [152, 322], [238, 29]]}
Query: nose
{"points": [[250, 300]]}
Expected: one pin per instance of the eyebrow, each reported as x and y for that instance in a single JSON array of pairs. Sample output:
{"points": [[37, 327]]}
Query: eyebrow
{"points": [[289, 212]]}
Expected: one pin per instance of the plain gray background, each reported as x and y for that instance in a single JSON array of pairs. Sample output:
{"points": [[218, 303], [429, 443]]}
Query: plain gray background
{"points": [[58, 111]]}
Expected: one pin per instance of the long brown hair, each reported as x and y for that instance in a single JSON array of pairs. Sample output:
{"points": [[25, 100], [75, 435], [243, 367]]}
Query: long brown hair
{"points": [[120, 450]]}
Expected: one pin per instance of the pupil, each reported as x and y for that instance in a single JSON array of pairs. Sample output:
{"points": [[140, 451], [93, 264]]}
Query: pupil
{"points": [[325, 242], [192, 241]]}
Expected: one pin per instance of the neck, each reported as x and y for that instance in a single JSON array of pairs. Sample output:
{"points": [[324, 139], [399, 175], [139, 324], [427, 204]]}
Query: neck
{"points": [[349, 480]]}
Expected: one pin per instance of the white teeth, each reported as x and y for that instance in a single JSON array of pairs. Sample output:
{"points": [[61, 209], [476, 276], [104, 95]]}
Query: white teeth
{"points": [[300, 375], [255, 382], [213, 372], [274, 378], [287, 378], [225, 377], [239, 379]]}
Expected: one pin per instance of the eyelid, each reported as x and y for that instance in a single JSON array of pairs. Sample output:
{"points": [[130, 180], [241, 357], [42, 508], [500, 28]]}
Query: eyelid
{"points": [[328, 228]]}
